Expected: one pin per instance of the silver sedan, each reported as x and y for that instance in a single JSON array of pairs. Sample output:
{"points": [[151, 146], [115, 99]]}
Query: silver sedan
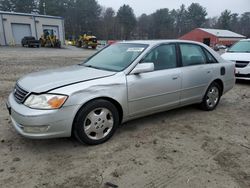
{"points": [[121, 82]]}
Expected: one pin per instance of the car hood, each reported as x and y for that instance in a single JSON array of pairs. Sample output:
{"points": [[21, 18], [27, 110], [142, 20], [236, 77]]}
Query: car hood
{"points": [[236, 56], [50, 79]]}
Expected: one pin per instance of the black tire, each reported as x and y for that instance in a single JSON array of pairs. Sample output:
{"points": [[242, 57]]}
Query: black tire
{"points": [[212, 97], [99, 124], [58, 44], [85, 46], [79, 44]]}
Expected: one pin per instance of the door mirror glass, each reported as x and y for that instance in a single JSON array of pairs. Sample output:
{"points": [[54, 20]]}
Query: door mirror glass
{"points": [[143, 67]]}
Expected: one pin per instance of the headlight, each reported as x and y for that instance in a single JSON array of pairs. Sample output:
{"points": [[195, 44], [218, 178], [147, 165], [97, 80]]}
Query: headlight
{"points": [[45, 101]]}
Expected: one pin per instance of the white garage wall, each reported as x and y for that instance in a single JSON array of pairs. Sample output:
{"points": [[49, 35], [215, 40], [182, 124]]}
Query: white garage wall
{"points": [[36, 22], [42, 23], [8, 20], [2, 37]]}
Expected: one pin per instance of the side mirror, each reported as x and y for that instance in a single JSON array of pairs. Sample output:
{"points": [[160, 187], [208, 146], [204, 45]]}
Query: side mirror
{"points": [[143, 67]]}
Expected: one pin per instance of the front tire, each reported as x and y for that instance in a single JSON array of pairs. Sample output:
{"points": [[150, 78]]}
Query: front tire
{"points": [[79, 44], [212, 97], [96, 122]]}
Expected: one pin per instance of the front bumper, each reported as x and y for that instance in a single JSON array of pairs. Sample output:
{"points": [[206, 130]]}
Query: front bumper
{"points": [[243, 73], [41, 124]]}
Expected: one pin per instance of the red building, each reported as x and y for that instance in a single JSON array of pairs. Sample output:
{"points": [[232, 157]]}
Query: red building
{"points": [[211, 37]]}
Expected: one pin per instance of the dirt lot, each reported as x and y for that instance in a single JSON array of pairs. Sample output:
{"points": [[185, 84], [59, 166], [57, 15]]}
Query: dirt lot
{"points": [[180, 148]]}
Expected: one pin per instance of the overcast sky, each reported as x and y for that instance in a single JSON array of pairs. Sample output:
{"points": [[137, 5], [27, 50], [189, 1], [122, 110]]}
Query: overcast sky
{"points": [[213, 7]]}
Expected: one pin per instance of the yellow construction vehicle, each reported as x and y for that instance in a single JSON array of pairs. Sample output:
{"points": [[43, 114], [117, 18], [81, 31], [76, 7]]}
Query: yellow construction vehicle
{"points": [[87, 40], [49, 39]]}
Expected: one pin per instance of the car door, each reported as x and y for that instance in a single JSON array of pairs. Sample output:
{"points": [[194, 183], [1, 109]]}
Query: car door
{"points": [[153, 91], [196, 73]]}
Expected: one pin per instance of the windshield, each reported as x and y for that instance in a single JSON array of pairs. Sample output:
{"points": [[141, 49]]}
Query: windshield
{"points": [[116, 57], [242, 46]]}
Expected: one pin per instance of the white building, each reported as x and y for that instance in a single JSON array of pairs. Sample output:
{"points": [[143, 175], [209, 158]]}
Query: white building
{"points": [[14, 26]]}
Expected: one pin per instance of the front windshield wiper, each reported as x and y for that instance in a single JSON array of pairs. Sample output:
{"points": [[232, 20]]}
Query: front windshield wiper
{"points": [[99, 68], [82, 64], [91, 66]]}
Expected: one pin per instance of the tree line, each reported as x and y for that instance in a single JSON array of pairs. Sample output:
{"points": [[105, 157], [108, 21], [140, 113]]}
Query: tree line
{"points": [[83, 16]]}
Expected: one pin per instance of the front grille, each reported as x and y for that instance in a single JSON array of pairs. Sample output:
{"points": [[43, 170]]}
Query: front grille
{"points": [[241, 64], [19, 94], [242, 75]]}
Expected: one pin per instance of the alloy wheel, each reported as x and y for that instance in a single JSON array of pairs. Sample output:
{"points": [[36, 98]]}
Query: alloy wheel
{"points": [[98, 123], [213, 96]]}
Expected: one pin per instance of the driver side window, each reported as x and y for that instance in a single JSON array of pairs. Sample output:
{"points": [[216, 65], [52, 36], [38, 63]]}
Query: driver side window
{"points": [[163, 57]]}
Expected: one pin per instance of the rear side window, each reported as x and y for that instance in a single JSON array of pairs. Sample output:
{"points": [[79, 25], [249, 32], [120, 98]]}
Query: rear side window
{"points": [[192, 54], [210, 58]]}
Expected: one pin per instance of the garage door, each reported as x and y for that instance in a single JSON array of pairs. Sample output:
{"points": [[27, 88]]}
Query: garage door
{"points": [[19, 31], [54, 28]]}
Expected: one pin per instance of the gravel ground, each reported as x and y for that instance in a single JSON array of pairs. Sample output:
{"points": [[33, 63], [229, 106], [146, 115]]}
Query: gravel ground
{"points": [[179, 148]]}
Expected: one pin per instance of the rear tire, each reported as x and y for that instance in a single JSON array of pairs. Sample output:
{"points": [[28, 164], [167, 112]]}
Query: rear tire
{"points": [[212, 97], [96, 122]]}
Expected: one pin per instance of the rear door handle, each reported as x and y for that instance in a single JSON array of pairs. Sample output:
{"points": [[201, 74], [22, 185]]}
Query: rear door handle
{"points": [[175, 78]]}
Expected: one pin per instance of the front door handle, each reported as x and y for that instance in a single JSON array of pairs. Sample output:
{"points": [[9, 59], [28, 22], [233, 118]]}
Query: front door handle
{"points": [[175, 78]]}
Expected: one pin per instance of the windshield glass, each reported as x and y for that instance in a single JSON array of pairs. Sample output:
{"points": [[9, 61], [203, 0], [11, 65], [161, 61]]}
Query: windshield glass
{"points": [[115, 57], [242, 46]]}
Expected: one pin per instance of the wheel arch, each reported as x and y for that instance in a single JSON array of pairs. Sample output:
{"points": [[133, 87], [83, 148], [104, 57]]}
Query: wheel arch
{"points": [[111, 100], [203, 104], [117, 105], [220, 83]]}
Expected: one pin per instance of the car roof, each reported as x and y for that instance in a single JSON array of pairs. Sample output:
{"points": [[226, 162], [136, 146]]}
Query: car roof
{"points": [[155, 42]]}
